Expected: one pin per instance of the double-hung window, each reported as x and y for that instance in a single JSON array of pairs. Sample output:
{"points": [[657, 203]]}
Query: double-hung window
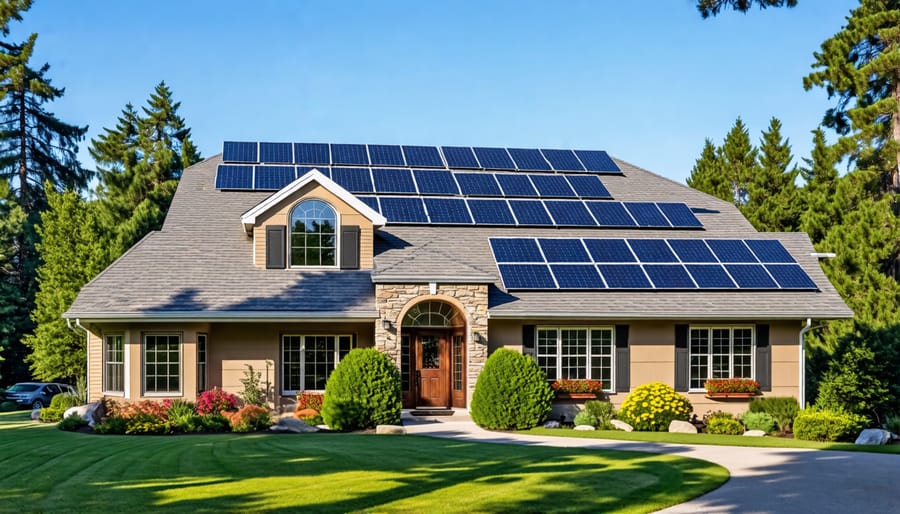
{"points": [[114, 364], [720, 352], [308, 360], [162, 364], [577, 353]]}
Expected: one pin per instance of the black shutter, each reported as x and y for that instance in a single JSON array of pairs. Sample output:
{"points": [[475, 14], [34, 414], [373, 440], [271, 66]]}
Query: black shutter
{"points": [[275, 242], [350, 247], [623, 360], [682, 364], [528, 340], [763, 358]]}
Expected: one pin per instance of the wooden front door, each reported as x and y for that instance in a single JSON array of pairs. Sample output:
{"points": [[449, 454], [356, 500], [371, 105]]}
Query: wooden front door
{"points": [[432, 369]]}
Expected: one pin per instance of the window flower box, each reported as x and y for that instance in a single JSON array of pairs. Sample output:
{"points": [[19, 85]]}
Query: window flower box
{"points": [[731, 388], [577, 389]]}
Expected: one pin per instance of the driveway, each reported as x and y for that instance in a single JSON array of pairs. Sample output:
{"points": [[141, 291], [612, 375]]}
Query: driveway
{"points": [[763, 480]]}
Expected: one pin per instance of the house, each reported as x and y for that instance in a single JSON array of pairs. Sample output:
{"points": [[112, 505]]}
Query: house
{"points": [[285, 256]]}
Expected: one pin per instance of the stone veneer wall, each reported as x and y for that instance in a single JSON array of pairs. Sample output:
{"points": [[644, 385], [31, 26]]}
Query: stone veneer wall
{"points": [[393, 300]]}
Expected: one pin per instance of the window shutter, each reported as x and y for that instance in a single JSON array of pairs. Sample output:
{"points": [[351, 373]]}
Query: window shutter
{"points": [[682, 364], [623, 360], [528, 340], [763, 358], [350, 247], [275, 253]]}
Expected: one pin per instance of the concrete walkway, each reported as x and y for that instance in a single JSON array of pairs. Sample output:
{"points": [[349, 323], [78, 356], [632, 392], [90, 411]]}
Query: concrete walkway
{"points": [[763, 480]]}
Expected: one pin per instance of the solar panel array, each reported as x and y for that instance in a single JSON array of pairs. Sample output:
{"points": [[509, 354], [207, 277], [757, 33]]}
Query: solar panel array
{"points": [[583, 263]]}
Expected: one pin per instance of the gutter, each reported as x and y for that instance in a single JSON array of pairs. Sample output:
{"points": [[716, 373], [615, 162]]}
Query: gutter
{"points": [[724, 316], [87, 353], [803, 332], [225, 317]]}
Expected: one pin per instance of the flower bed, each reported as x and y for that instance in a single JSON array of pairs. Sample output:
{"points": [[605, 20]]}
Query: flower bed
{"points": [[732, 387], [593, 387]]}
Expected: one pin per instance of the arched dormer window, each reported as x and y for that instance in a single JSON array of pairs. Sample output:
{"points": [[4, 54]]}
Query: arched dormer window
{"points": [[313, 234]]}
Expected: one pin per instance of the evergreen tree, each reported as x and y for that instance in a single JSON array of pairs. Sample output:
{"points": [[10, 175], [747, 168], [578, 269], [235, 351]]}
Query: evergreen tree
{"points": [[821, 203], [709, 8], [737, 156], [71, 256], [13, 314], [707, 175], [140, 162], [772, 194]]}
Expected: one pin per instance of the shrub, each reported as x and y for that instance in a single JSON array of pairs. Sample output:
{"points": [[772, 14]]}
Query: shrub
{"points": [[215, 423], [511, 393], [724, 425], [759, 421], [72, 423], [8, 406], [651, 407], [180, 408], [586, 418], [312, 420], [311, 401], [214, 401], [58, 406], [578, 386], [819, 424], [362, 392], [145, 408], [783, 409], [603, 411], [250, 418], [112, 425], [147, 424], [732, 385], [252, 394], [892, 424]]}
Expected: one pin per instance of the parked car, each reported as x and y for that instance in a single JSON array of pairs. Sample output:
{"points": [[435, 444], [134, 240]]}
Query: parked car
{"points": [[36, 394]]}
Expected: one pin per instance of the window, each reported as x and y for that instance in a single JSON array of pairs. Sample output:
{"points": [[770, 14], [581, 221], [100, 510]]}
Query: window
{"points": [[201, 363], [720, 352], [162, 364], [308, 360], [313, 234], [576, 353], [114, 364]]}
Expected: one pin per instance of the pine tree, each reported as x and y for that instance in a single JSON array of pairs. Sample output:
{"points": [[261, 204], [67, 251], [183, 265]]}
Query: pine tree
{"points": [[707, 175], [771, 193], [13, 310], [737, 156], [709, 8], [822, 205]]}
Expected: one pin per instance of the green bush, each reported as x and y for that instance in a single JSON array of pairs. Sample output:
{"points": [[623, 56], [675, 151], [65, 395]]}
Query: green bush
{"points": [[892, 424], [179, 408], [819, 424], [313, 420], [186, 423], [72, 423], [511, 393], [362, 392], [8, 406], [783, 409], [759, 421], [58, 406], [603, 411], [724, 425], [586, 418], [215, 423], [252, 393], [652, 407], [112, 425], [147, 424], [250, 418]]}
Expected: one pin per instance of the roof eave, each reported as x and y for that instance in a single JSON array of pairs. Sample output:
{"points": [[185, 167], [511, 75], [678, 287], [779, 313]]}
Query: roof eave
{"points": [[443, 279], [223, 316], [717, 316]]}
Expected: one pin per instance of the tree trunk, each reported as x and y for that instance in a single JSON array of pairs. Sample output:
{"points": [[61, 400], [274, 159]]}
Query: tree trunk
{"points": [[895, 126], [24, 197]]}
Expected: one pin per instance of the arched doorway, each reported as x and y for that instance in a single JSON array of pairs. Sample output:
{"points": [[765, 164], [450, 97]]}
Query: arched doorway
{"points": [[433, 355]]}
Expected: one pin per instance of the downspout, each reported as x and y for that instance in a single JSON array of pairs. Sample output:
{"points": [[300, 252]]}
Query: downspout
{"points": [[803, 332], [87, 350]]}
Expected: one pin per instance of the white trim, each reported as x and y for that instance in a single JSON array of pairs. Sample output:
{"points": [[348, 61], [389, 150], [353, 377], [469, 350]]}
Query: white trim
{"points": [[663, 316], [148, 394], [104, 363], [709, 353], [236, 317], [290, 238], [559, 355]]}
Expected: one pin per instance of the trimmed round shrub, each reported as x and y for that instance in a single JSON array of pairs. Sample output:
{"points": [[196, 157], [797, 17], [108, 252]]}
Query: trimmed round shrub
{"points": [[758, 421], [362, 392], [586, 418], [59, 404], [724, 425], [215, 423], [250, 418], [828, 425], [511, 393], [651, 407], [214, 401]]}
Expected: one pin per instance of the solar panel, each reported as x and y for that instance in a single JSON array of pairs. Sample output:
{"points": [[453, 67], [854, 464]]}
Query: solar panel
{"points": [[679, 215], [425, 156], [652, 250], [790, 276], [564, 250], [692, 250], [403, 210], [529, 159], [530, 212], [355, 180], [460, 157], [386, 155], [769, 250], [526, 276], [494, 158], [477, 184], [610, 214], [710, 276], [609, 250], [435, 182], [349, 154], [731, 250], [273, 177], [588, 186], [646, 214], [570, 213], [576, 276], [234, 177], [239, 151], [393, 180], [276, 153], [669, 276], [371, 201], [491, 212], [597, 160], [303, 170], [552, 186], [312, 153], [516, 250], [515, 185], [750, 276], [624, 276], [562, 160], [447, 210]]}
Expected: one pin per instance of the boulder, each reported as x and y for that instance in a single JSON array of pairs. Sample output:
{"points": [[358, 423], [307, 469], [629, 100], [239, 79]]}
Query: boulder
{"points": [[873, 436], [551, 424], [390, 430], [92, 412], [36, 415], [621, 425], [754, 433], [293, 426], [682, 427], [585, 427]]}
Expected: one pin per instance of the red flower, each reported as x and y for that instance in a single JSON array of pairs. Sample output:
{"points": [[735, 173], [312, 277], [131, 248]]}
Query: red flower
{"points": [[732, 385], [577, 386]]}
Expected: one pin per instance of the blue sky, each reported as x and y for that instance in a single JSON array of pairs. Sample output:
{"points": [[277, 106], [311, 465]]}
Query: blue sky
{"points": [[647, 81]]}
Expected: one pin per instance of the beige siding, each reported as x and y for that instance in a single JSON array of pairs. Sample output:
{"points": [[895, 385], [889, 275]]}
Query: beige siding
{"points": [[95, 367]]}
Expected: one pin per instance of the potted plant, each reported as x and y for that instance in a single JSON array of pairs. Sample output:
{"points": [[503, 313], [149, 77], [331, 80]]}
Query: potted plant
{"points": [[731, 388], [580, 389]]}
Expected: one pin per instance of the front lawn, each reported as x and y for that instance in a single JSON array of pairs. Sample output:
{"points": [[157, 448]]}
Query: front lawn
{"points": [[48, 470]]}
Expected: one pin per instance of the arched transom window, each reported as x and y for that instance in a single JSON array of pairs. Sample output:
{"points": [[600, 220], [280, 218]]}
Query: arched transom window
{"points": [[432, 314], [313, 229]]}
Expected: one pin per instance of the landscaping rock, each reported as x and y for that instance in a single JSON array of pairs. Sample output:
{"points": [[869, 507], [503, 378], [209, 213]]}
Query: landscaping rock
{"points": [[873, 436], [754, 433], [621, 425], [585, 428], [551, 424], [682, 427], [36, 415], [390, 430], [292, 425], [92, 412]]}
